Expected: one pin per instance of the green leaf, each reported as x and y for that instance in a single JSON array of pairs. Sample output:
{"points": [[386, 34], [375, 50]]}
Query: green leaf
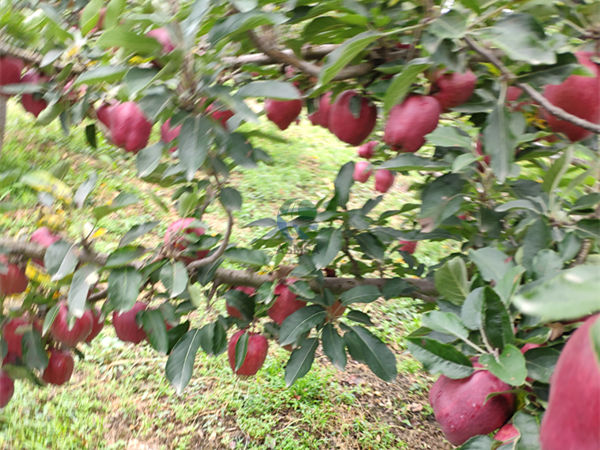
{"points": [[472, 309], [122, 200], [480, 442], [402, 83], [156, 330], [301, 321], [452, 25], [360, 294], [328, 245], [510, 366], [122, 37], [181, 360], [242, 302], [540, 363], [84, 278], [136, 231], [43, 181], [449, 137], [49, 319], [500, 139], [371, 245], [174, 277], [239, 23], [537, 237], [85, 189], [231, 199], [441, 198], [445, 322], [451, 280], [363, 345], [124, 256], [247, 256], [300, 361], [440, 358], [571, 294], [60, 260], [34, 355], [529, 431], [147, 159], [90, 16], [241, 349], [104, 74], [213, 338], [333, 346], [280, 90], [496, 320], [408, 161], [491, 262], [124, 287], [343, 183], [194, 140], [344, 54]]}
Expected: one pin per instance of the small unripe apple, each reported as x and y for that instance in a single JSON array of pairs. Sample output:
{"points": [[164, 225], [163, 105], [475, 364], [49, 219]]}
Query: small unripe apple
{"points": [[163, 38], [408, 246], [384, 179], [44, 237], [507, 434], [10, 70], [255, 355], [97, 325], [169, 134], [175, 238], [282, 112], [129, 128], [321, 115], [362, 171], [454, 89], [410, 121], [285, 304], [12, 332], [14, 281], [350, 128], [33, 103], [367, 149], [219, 114], [60, 367], [82, 327], [7, 389], [462, 408], [126, 325], [572, 418]]}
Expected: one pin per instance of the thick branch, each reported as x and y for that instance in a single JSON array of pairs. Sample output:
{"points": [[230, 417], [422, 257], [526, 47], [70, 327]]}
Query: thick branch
{"points": [[552, 109]]}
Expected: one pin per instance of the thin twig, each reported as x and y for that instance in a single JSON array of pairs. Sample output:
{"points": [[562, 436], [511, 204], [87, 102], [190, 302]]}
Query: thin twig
{"points": [[219, 252]]}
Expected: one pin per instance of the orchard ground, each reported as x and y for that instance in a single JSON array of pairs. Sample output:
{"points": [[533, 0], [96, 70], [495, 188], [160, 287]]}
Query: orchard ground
{"points": [[119, 397]]}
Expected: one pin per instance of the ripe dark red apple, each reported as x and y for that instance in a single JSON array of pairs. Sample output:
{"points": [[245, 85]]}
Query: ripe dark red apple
{"points": [[367, 149], [169, 134], [232, 310], [578, 95], [129, 128], [10, 70], [103, 114], [255, 355], [175, 238], [163, 38], [97, 324], [44, 237], [82, 327], [221, 115], [507, 434], [461, 409], [60, 367], [321, 115], [408, 246], [33, 103], [126, 325], [362, 171], [285, 304], [12, 332], [572, 418], [410, 121], [283, 112], [384, 179], [7, 389], [345, 125], [453, 89], [14, 280]]}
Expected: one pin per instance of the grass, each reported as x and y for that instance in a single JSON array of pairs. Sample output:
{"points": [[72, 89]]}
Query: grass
{"points": [[119, 397]]}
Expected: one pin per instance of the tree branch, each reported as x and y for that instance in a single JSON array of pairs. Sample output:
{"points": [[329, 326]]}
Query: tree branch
{"points": [[552, 109], [262, 59], [219, 252]]}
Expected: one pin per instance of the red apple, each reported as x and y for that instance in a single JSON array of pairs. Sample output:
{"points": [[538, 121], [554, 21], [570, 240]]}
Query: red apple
{"points": [[14, 280], [572, 418], [408, 246], [97, 325], [12, 332], [44, 237], [507, 434], [60, 367], [129, 128], [384, 179], [285, 304], [529, 346], [169, 134], [367, 149], [453, 89], [126, 325], [175, 238], [578, 95], [103, 114], [82, 327], [163, 38], [33, 103], [10, 70], [461, 409], [220, 115], [362, 171], [7, 389], [232, 310], [350, 128], [410, 121], [282, 112], [255, 355], [321, 115]]}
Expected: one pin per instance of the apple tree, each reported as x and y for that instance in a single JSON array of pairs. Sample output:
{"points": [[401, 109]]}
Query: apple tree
{"points": [[495, 105]]}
